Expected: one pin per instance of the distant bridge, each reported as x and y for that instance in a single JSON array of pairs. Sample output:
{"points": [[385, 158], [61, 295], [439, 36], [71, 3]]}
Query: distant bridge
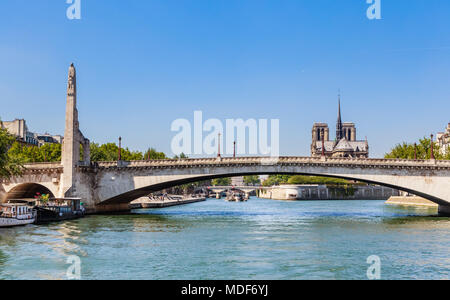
{"points": [[110, 186], [245, 189]]}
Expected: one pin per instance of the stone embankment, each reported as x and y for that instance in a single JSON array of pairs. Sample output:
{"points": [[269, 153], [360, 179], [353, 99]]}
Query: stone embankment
{"points": [[323, 192], [411, 201]]}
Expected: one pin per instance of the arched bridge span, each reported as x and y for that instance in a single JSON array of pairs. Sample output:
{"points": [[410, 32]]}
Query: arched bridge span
{"points": [[429, 179], [110, 186]]}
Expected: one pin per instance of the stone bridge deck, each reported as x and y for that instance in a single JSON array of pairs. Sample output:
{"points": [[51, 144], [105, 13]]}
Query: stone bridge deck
{"points": [[249, 161], [109, 186]]}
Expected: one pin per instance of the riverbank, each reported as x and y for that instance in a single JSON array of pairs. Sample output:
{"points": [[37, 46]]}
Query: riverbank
{"points": [[146, 203], [411, 201], [324, 192]]}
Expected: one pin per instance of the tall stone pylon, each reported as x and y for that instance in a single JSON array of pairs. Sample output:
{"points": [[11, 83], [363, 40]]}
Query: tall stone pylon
{"points": [[71, 144]]}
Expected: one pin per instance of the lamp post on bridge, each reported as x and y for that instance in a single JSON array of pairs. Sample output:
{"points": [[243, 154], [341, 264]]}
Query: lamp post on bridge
{"points": [[120, 148], [234, 151]]}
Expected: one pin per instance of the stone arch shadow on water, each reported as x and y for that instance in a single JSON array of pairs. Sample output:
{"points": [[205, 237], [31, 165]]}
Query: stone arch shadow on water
{"points": [[142, 192], [27, 191]]}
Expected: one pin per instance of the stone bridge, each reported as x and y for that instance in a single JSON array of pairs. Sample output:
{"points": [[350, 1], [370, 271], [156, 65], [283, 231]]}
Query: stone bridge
{"points": [[110, 186], [245, 189]]}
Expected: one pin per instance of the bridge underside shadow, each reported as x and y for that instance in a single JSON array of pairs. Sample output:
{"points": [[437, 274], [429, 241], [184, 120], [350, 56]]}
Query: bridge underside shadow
{"points": [[142, 192], [27, 191]]}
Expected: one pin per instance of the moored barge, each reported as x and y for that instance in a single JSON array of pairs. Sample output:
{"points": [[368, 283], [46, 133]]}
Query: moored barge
{"points": [[16, 213]]}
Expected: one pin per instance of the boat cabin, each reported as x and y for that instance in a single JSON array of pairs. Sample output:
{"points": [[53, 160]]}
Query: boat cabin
{"points": [[58, 209], [16, 209]]}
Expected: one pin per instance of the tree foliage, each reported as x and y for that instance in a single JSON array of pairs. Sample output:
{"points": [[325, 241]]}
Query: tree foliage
{"points": [[299, 179], [252, 180], [152, 154], [181, 156], [110, 152], [9, 166], [406, 151], [33, 154], [221, 182], [53, 152], [276, 180]]}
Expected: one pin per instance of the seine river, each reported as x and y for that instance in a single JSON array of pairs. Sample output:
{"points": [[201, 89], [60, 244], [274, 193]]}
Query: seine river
{"points": [[260, 239]]}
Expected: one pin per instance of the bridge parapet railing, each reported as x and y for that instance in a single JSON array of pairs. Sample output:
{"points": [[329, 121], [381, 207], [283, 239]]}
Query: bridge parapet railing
{"points": [[48, 165], [281, 160]]}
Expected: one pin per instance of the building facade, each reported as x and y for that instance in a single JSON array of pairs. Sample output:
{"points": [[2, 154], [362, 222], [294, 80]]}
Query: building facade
{"points": [[48, 139], [443, 139], [19, 129], [345, 144]]}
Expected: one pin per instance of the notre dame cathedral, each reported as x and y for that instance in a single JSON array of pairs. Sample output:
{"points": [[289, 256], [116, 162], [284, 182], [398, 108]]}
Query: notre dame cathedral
{"points": [[345, 144]]}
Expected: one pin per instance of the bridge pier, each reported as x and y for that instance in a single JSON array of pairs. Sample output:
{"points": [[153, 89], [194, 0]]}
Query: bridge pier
{"points": [[444, 210], [108, 209]]}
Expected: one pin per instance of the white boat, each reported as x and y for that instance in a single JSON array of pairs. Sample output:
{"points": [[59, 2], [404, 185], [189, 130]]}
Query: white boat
{"points": [[16, 214]]}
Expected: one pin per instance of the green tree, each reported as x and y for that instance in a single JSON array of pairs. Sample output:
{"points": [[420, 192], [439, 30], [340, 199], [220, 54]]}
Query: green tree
{"points": [[152, 154], [301, 179], [406, 151], [277, 180], [50, 152], [9, 166], [53, 153], [221, 182], [252, 180], [181, 156], [110, 152], [33, 154]]}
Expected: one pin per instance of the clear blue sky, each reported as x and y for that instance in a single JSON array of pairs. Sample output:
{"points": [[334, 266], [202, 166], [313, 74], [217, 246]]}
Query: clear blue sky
{"points": [[143, 64]]}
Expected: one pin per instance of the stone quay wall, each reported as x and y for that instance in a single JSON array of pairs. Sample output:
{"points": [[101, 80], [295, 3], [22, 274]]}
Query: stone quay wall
{"points": [[323, 192]]}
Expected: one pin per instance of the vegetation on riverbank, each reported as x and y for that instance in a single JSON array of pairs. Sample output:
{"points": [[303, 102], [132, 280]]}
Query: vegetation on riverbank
{"points": [[52, 153], [9, 166], [221, 182], [407, 150], [302, 179]]}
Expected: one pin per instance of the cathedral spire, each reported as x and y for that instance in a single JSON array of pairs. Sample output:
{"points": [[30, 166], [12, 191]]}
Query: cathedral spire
{"points": [[339, 129]]}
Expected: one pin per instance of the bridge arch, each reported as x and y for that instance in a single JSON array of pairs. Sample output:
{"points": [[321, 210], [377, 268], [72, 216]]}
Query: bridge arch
{"points": [[27, 191], [144, 191]]}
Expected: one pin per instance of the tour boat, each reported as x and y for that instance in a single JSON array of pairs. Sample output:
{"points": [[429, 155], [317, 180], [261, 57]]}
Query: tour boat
{"points": [[16, 214]]}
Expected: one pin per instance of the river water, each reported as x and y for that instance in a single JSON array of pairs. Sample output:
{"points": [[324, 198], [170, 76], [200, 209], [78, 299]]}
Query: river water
{"points": [[260, 239]]}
